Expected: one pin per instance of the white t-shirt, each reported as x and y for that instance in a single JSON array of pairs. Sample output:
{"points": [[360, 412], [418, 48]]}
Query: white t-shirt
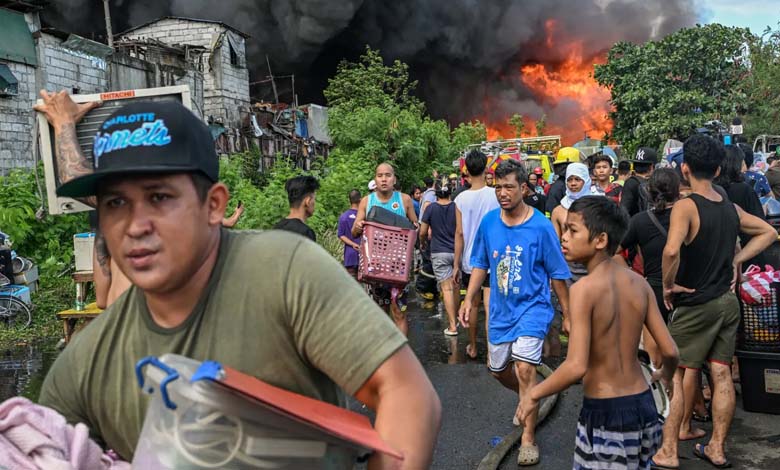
{"points": [[473, 205]]}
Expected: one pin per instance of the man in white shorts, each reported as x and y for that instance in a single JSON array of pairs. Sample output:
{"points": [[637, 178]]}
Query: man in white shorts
{"points": [[520, 248]]}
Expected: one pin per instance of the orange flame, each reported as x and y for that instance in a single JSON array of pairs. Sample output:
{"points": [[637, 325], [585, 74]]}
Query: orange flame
{"points": [[570, 80]]}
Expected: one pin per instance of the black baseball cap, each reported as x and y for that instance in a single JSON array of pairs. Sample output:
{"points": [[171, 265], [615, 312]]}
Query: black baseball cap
{"points": [[148, 137], [645, 155]]}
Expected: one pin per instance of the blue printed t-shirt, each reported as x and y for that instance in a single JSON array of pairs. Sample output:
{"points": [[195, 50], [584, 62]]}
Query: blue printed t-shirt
{"points": [[522, 259], [346, 221]]}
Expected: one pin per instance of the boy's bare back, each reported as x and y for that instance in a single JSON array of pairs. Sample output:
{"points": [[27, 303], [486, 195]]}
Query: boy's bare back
{"points": [[618, 300]]}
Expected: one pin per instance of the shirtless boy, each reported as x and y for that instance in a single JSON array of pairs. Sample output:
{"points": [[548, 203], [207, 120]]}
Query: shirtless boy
{"points": [[618, 410]]}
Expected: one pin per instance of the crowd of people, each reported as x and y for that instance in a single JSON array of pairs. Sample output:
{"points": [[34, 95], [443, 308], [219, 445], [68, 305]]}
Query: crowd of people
{"points": [[674, 236], [645, 258]]}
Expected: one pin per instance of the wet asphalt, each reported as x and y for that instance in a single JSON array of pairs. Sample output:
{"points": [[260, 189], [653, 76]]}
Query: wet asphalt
{"points": [[477, 410]]}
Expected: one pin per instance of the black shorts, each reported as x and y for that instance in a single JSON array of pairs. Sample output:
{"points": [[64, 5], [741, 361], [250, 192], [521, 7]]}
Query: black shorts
{"points": [[466, 277]]}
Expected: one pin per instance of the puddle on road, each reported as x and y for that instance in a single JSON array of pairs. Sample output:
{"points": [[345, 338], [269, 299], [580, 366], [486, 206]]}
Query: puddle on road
{"points": [[427, 321], [23, 368]]}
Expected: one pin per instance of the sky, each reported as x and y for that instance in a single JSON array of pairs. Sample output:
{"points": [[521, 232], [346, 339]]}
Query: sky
{"points": [[753, 14]]}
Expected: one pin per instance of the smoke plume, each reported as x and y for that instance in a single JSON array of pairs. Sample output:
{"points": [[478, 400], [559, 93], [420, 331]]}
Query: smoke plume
{"points": [[466, 54]]}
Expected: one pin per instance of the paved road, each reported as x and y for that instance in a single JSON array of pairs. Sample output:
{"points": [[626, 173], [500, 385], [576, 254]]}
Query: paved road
{"points": [[477, 409]]}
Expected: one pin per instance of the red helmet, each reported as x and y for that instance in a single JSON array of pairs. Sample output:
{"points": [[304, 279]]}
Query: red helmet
{"points": [[538, 171]]}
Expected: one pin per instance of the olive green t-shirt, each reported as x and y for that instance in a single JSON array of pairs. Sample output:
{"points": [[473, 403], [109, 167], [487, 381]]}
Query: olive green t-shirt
{"points": [[276, 306]]}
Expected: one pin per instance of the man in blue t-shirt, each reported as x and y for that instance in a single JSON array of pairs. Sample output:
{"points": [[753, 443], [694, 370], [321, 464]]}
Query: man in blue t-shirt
{"points": [[520, 248]]}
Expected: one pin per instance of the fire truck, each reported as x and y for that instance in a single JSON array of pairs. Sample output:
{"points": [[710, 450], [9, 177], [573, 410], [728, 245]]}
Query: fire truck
{"points": [[534, 152]]}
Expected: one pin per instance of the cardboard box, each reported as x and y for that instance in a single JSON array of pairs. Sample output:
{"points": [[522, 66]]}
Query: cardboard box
{"points": [[83, 247]]}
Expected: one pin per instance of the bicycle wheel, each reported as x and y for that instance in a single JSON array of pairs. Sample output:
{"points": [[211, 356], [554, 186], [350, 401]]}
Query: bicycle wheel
{"points": [[14, 313]]}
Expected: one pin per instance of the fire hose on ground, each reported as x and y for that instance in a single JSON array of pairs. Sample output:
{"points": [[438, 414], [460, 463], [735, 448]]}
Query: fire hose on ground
{"points": [[493, 458]]}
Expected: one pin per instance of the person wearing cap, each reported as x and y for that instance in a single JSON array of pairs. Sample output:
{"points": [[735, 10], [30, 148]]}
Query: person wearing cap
{"points": [[268, 304], [635, 197], [542, 187], [557, 191]]}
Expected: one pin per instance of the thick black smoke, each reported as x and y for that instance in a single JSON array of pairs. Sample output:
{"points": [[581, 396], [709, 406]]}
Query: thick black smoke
{"points": [[465, 53]]}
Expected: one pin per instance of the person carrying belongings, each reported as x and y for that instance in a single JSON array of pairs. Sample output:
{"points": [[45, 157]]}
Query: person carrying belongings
{"points": [[389, 296]]}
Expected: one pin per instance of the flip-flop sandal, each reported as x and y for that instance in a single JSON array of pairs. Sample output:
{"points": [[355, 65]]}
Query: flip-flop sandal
{"points": [[528, 455], [698, 451], [450, 333], [701, 418], [655, 466]]}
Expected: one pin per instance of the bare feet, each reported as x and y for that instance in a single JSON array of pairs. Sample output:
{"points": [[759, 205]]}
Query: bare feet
{"points": [[471, 351], [694, 433]]}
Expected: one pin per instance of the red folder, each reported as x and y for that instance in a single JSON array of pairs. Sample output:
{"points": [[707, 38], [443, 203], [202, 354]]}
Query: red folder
{"points": [[343, 424]]}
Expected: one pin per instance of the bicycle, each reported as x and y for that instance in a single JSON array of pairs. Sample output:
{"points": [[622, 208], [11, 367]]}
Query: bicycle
{"points": [[14, 313]]}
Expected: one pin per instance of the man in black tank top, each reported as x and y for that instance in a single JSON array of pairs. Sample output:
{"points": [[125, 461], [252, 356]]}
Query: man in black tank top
{"points": [[699, 274]]}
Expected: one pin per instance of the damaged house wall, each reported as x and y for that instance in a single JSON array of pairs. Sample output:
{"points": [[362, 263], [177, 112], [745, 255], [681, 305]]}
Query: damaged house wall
{"points": [[226, 76], [57, 68]]}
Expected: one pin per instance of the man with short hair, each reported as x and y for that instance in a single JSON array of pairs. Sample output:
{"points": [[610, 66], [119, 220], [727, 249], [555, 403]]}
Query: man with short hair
{"points": [[635, 197], [489, 179], [623, 172], [602, 171], [470, 206], [398, 203], [301, 194], [267, 304], [700, 270], [518, 246], [351, 243]]}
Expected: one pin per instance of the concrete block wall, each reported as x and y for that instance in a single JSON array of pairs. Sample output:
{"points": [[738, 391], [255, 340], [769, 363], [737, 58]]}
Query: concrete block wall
{"points": [[225, 86], [66, 69], [16, 120]]}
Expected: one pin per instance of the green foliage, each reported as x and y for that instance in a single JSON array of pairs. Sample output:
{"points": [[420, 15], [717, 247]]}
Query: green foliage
{"points": [[371, 83], [262, 207], [47, 242], [665, 89], [541, 125], [516, 121], [468, 133], [763, 86]]}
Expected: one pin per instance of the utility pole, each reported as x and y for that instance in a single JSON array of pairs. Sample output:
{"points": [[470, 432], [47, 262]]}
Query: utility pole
{"points": [[271, 76], [109, 32]]}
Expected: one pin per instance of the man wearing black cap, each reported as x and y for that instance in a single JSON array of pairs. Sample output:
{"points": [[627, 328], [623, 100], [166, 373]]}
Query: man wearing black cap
{"points": [[268, 304], [635, 197]]}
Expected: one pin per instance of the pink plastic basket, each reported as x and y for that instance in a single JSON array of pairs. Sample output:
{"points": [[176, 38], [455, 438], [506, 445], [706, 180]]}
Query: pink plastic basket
{"points": [[386, 253]]}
